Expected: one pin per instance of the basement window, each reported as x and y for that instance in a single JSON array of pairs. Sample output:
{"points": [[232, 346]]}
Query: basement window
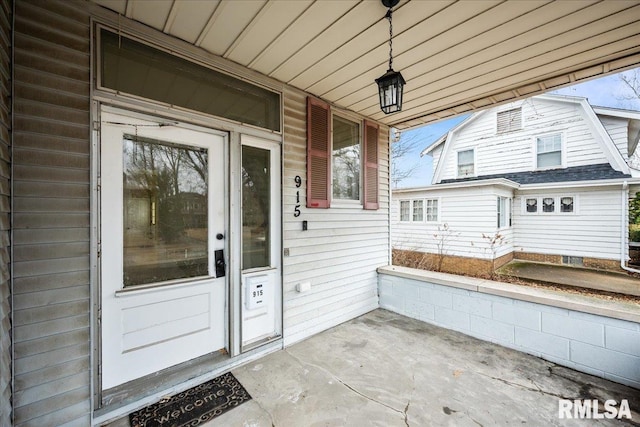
{"points": [[577, 261]]}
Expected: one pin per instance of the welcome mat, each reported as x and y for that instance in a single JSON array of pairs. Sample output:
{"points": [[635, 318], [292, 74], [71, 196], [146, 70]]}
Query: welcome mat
{"points": [[194, 406]]}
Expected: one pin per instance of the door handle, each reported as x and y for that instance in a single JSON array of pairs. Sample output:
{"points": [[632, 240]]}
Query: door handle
{"points": [[220, 265]]}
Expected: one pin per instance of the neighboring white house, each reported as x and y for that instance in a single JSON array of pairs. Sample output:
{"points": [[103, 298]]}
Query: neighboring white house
{"points": [[547, 178]]}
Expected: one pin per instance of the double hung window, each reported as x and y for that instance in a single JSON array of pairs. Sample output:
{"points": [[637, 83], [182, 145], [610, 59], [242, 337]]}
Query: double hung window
{"points": [[504, 212], [548, 151], [342, 158], [466, 163]]}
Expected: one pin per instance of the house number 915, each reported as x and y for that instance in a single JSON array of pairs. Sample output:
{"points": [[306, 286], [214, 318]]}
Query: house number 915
{"points": [[296, 210]]}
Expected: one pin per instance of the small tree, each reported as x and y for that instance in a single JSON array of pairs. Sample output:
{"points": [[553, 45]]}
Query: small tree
{"points": [[442, 237], [403, 145], [495, 242]]}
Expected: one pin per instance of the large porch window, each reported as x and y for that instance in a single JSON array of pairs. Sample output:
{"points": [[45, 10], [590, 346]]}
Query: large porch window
{"points": [[136, 68]]}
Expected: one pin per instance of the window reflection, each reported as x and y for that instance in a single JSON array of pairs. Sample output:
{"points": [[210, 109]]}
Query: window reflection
{"points": [[256, 207], [165, 200], [346, 159]]}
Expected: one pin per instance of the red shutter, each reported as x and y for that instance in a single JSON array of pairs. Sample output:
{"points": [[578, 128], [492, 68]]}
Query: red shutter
{"points": [[318, 154], [371, 165]]}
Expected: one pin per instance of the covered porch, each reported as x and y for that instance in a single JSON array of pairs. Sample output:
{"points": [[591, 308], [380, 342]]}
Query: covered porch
{"points": [[386, 369], [59, 119]]}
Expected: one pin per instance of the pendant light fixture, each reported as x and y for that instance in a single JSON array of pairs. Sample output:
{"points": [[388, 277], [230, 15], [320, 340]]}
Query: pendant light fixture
{"points": [[391, 83]]}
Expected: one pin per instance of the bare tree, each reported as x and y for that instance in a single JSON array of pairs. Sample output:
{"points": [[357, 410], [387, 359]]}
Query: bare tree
{"points": [[403, 145], [632, 82]]}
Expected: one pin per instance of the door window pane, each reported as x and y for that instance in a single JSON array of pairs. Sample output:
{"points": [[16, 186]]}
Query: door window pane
{"points": [[165, 201], [346, 159], [256, 207]]}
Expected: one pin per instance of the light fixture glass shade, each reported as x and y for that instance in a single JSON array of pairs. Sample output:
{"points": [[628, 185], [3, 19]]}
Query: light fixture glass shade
{"points": [[390, 87]]}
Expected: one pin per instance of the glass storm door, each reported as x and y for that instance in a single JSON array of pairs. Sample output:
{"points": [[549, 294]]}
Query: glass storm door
{"points": [[163, 285]]}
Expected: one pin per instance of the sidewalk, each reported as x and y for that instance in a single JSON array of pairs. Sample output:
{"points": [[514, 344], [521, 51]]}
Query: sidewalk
{"points": [[573, 276]]}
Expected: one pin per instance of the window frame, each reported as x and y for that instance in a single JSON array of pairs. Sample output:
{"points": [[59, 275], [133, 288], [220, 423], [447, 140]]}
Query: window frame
{"points": [[319, 167], [473, 173], [411, 212], [426, 209], [562, 151], [557, 204], [504, 215], [347, 202], [409, 217]]}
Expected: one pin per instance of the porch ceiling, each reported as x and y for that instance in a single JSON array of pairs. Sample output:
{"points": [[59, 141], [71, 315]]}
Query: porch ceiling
{"points": [[457, 56]]}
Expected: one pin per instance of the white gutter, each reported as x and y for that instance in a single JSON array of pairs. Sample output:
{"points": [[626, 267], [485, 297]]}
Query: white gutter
{"points": [[624, 229]]}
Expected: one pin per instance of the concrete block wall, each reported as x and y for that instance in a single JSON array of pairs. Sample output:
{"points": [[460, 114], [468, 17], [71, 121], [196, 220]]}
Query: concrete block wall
{"points": [[591, 343]]}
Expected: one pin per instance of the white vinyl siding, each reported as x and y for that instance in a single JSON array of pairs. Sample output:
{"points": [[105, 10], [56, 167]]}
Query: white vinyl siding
{"points": [[341, 249], [464, 215], [617, 128], [516, 151], [591, 230]]}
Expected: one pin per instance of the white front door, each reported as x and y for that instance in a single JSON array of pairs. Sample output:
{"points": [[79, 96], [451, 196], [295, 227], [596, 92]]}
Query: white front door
{"points": [[163, 198]]}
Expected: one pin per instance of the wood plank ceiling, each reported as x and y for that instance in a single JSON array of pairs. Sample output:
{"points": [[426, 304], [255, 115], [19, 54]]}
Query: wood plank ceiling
{"points": [[456, 56]]}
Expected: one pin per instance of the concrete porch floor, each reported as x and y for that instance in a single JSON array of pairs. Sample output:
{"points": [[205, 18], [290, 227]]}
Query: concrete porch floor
{"points": [[389, 370]]}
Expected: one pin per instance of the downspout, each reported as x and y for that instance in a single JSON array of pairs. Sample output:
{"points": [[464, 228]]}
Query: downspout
{"points": [[624, 229]]}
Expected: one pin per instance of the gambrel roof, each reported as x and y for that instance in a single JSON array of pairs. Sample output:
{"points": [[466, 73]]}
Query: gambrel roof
{"points": [[617, 162]]}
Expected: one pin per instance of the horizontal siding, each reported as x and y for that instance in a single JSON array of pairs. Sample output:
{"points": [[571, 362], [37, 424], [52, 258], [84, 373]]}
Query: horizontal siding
{"points": [[515, 151], [468, 213], [593, 231], [51, 215], [341, 249], [5, 212], [617, 128]]}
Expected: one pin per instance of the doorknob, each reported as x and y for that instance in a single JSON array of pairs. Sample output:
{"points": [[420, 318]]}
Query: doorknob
{"points": [[219, 263]]}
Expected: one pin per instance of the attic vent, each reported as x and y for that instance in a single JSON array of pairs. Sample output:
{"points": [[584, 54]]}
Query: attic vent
{"points": [[572, 260], [509, 120]]}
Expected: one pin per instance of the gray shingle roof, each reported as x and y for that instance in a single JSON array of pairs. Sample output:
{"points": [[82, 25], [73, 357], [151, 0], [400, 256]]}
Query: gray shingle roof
{"points": [[576, 173]]}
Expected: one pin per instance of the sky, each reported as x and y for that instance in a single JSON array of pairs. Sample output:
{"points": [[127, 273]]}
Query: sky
{"points": [[607, 91]]}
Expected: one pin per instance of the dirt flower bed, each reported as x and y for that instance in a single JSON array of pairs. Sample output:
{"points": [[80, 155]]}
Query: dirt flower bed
{"points": [[425, 262], [610, 296]]}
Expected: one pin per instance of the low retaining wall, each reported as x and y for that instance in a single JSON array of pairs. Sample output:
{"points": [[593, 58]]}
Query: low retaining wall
{"points": [[589, 335]]}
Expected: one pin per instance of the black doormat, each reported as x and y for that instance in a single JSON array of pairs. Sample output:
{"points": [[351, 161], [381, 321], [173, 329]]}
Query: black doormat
{"points": [[194, 406]]}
